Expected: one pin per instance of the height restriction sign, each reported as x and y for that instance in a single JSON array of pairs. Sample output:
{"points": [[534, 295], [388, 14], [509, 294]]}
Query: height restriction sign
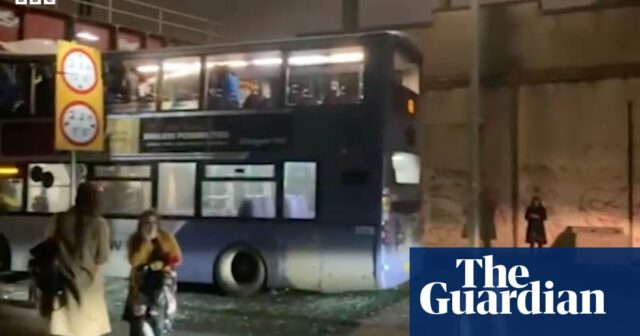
{"points": [[79, 98]]}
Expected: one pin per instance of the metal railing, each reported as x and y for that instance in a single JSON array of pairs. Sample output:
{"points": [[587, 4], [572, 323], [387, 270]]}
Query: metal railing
{"points": [[159, 20]]}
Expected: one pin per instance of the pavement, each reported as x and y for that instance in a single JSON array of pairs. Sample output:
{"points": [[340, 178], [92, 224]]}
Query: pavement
{"points": [[20, 321], [277, 313], [390, 321]]}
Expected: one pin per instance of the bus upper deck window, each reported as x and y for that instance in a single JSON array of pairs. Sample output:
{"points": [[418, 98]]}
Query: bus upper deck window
{"points": [[27, 89], [243, 80], [131, 85], [325, 77], [407, 73], [181, 83]]}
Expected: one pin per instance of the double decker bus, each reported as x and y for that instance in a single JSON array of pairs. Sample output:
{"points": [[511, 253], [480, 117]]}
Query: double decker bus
{"points": [[282, 164]]}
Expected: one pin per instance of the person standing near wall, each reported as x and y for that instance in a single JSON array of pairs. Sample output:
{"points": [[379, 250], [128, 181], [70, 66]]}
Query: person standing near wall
{"points": [[535, 215]]}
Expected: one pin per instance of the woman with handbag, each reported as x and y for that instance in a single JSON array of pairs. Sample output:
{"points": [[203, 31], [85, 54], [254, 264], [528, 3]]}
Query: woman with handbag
{"points": [[154, 255], [82, 237]]}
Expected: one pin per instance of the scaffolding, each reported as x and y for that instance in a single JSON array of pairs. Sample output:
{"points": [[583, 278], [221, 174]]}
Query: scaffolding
{"points": [[139, 15]]}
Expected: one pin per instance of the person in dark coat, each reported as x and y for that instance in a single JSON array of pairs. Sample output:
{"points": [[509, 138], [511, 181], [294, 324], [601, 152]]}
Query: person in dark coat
{"points": [[536, 215]]}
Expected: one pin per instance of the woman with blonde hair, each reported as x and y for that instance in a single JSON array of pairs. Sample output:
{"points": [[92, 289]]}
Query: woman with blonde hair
{"points": [[82, 236], [154, 255]]}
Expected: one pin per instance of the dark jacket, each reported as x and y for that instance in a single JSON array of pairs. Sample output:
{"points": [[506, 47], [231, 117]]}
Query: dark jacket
{"points": [[535, 216]]}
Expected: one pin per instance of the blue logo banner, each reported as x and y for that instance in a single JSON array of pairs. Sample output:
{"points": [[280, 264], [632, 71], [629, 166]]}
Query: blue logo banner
{"points": [[522, 292]]}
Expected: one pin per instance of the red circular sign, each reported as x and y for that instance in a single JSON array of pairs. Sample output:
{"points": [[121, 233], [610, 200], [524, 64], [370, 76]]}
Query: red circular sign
{"points": [[79, 71], [79, 123]]}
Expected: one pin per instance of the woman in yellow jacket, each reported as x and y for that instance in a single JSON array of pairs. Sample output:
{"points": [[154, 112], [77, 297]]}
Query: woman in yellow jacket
{"points": [[154, 255]]}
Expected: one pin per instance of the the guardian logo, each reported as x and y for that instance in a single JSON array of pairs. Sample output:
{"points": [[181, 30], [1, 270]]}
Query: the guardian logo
{"points": [[506, 291]]}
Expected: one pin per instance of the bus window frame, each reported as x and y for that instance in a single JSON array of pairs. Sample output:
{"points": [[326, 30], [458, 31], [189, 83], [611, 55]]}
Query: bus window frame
{"points": [[285, 49], [94, 177], [278, 95], [156, 186], [278, 178], [201, 90], [26, 178], [153, 179], [23, 191], [316, 205], [363, 66], [157, 91], [33, 62], [201, 179]]}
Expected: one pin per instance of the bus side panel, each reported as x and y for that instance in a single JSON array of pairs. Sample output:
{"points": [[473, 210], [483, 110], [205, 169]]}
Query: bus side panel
{"points": [[393, 251], [351, 215], [296, 262], [120, 231], [24, 232], [347, 258], [290, 256]]}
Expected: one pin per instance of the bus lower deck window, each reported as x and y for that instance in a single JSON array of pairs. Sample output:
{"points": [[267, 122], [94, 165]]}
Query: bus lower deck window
{"points": [[300, 190], [239, 199]]}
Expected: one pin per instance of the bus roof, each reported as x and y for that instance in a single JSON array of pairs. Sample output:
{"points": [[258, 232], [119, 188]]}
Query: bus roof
{"points": [[44, 49], [291, 43], [29, 47]]}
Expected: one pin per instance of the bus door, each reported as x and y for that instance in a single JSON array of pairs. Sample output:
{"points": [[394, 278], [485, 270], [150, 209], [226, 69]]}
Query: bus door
{"points": [[402, 192], [402, 195]]}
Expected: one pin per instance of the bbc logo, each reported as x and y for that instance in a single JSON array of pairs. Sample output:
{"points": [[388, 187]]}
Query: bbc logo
{"points": [[35, 2]]}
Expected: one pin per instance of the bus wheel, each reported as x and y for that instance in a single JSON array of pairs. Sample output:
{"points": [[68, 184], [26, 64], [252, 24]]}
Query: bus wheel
{"points": [[5, 254], [240, 271]]}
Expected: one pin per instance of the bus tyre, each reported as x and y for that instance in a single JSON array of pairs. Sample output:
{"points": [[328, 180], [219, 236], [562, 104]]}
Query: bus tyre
{"points": [[5, 254], [240, 271]]}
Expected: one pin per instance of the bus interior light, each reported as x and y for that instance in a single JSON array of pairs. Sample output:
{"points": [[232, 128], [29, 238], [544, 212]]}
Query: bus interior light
{"points": [[87, 36], [195, 66], [148, 69], [351, 57], [267, 61], [230, 64], [243, 64]]}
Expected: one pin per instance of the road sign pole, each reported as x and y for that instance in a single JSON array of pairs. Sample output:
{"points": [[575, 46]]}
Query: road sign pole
{"points": [[73, 178], [80, 120]]}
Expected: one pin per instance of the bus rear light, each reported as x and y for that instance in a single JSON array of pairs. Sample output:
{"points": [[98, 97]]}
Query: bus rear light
{"points": [[411, 107]]}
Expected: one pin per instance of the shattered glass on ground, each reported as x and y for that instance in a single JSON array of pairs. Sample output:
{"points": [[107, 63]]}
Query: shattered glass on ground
{"points": [[275, 313], [283, 312]]}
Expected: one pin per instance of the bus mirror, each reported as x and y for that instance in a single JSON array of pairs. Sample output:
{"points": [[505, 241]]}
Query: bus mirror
{"points": [[47, 180], [36, 174]]}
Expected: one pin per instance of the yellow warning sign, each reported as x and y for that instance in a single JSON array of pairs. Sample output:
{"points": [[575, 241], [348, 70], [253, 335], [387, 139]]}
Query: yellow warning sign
{"points": [[79, 98]]}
